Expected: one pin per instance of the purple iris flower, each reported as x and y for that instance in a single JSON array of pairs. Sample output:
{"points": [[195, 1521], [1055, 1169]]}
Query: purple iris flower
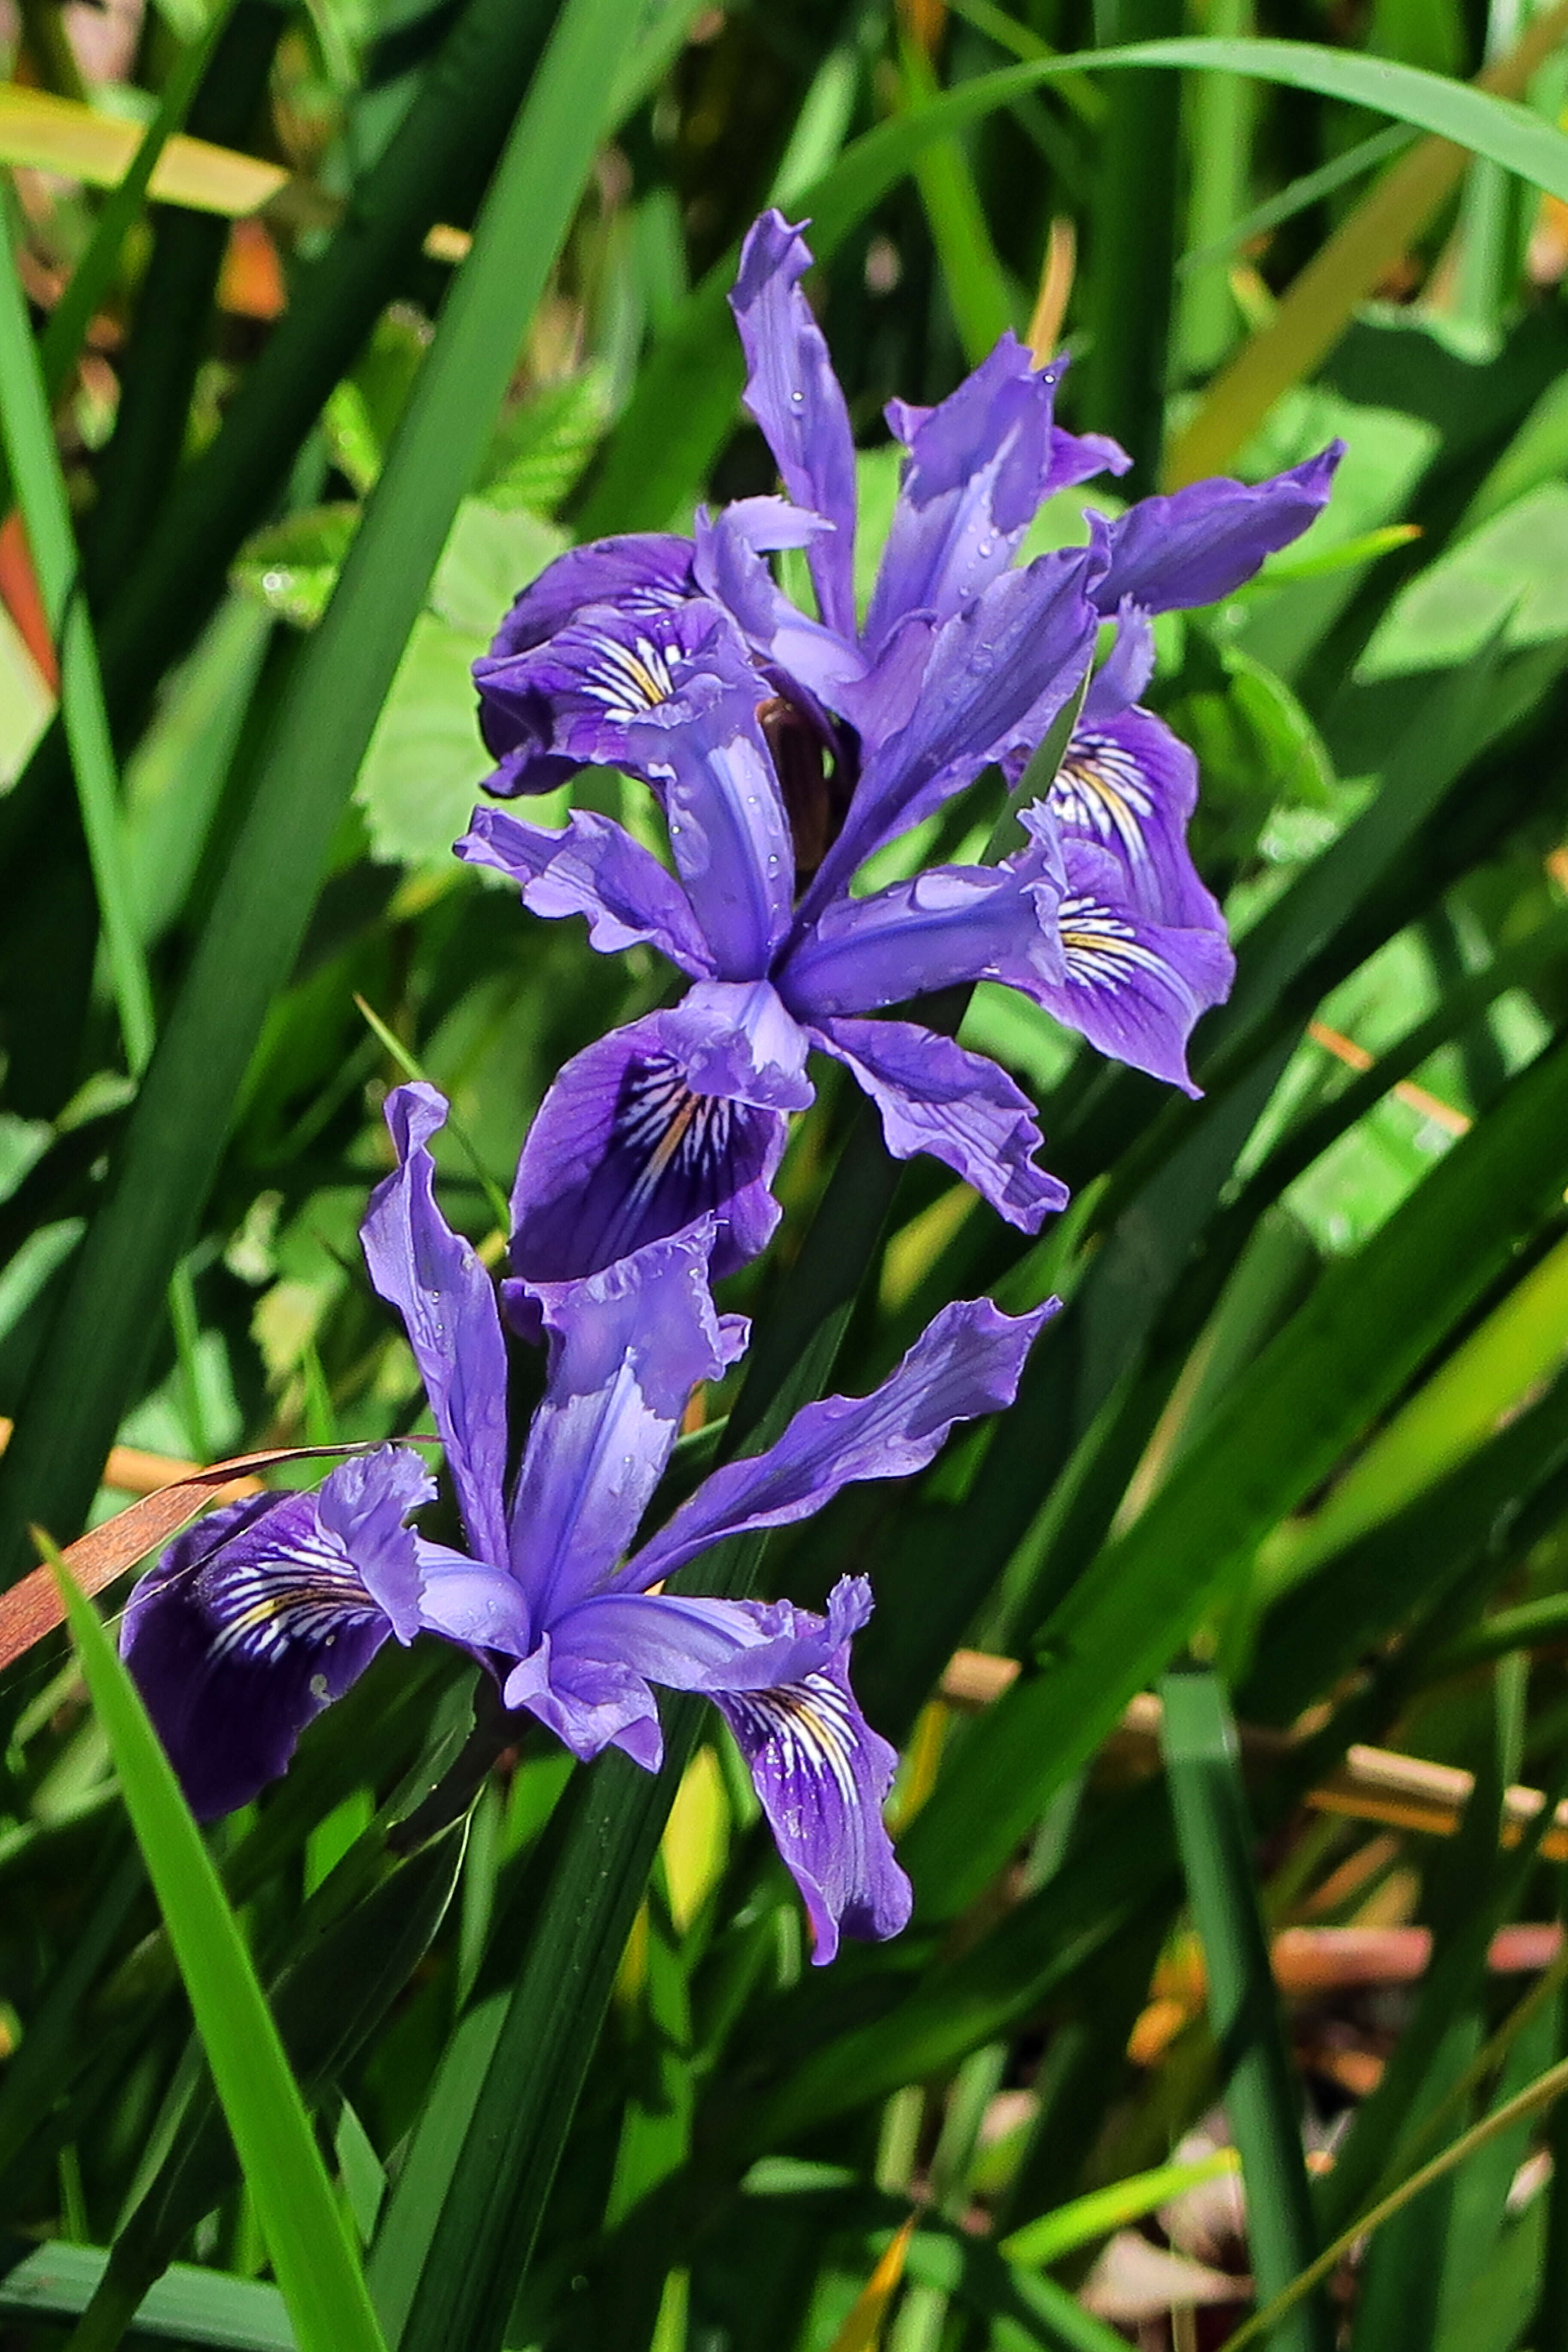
{"points": [[267, 1610], [786, 750]]}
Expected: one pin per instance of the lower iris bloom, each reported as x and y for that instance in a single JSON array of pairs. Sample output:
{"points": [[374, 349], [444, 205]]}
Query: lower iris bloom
{"points": [[787, 749], [267, 1609]]}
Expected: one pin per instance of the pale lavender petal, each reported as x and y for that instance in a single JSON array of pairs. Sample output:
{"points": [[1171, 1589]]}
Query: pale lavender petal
{"points": [[448, 1304], [670, 1119], [968, 1362], [257, 1617], [627, 1346], [779, 1675], [794, 394], [1135, 988], [979, 466], [592, 867], [1122, 677], [1202, 543], [730, 568], [588, 1706], [950, 924], [1002, 669], [475, 1603], [934, 1096]]}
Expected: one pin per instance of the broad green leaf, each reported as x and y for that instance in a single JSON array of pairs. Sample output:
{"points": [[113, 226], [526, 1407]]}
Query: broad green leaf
{"points": [[1506, 578], [492, 554], [317, 2272], [292, 567], [543, 445]]}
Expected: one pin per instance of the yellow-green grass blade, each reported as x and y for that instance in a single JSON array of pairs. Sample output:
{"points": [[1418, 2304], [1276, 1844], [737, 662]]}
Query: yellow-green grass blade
{"points": [[1068, 2227], [316, 2268]]}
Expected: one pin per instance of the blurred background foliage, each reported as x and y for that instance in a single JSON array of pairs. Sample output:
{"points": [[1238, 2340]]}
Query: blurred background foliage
{"points": [[1186, 2014]]}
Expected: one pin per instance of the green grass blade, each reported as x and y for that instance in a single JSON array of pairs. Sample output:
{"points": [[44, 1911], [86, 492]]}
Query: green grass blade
{"points": [[262, 904], [36, 470], [684, 402], [62, 337], [1262, 2098], [1501, 129], [1068, 2227], [973, 276], [1541, 2095], [1347, 1352], [317, 2272], [1220, 121], [1127, 308], [188, 2306]]}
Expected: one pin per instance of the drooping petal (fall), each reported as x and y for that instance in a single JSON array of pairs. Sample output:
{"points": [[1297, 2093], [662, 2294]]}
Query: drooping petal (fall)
{"points": [[627, 1147], [1135, 987], [936, 1096], [780, 1676], [264, 1611]]}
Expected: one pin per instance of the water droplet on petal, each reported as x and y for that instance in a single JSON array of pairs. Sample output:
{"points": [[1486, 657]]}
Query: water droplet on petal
{"points": [[797, 400]]}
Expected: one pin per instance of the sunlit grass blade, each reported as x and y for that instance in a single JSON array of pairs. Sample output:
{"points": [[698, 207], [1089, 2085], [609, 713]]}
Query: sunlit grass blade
{"points": [[91, 280], [972, 274], [1372, 1319], [261, 906], [1068, 2227], [1316, 307], [1126, 306], [316, 2268], [1541, 2095], [1262, 2099], [61, 134]]}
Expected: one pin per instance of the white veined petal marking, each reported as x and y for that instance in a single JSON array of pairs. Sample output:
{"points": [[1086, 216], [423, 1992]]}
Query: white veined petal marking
{"points": [[809, 1724], [1102, 950], [660, 1122], [628, 679], [1100, 790], [305, 1595]]}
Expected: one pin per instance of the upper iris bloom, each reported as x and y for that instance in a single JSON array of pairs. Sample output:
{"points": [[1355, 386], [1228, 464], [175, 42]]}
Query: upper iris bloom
{"points": [[785, 748], [264, 1611]]}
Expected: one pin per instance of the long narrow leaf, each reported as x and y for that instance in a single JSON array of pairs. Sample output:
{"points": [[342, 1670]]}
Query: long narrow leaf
{"points": [[1201, 1765], [317, 2271]]}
